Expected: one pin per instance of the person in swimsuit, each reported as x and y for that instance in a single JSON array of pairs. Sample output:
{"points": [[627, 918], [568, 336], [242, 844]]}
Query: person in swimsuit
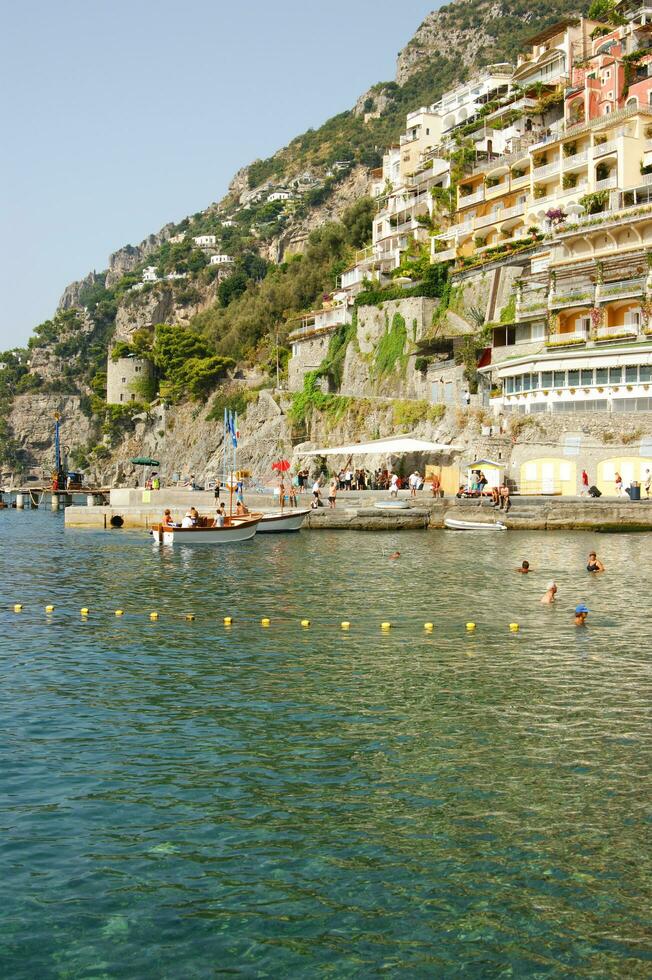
{"points": [[524, 569], [332, 492], [594, 564]]}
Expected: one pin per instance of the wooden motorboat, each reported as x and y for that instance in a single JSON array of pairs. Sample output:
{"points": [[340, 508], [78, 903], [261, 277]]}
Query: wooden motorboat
{"points": [[454, 525], [231, 532]]}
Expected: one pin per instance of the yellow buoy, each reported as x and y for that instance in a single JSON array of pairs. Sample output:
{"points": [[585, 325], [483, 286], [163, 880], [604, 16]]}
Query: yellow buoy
{"points": [[228, 620], [470, 627], [49, 608], [18, 607], [84, 611], [119, 612], [305, 622], [264, 621], [513, 627], [385, 626], [428, 627], [153, 615], [345, 625], [189, 617]]}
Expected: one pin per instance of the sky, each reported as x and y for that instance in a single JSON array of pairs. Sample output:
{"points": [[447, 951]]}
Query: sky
{"points": [[117, 117]]}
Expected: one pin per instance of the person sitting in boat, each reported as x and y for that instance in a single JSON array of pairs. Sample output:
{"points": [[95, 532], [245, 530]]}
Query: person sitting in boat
{"points": [[187, 520], [240, 509], [167, 518], [220, 518], [194, 513]]}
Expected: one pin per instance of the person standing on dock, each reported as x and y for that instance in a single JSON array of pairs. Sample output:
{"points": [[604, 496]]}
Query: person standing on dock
{"points": [[585, 484], [332, 493]]}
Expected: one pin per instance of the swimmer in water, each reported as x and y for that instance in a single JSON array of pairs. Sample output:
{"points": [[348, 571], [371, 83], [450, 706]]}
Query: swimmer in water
{"points": [[594, 564], [581, 612], [395, 554], [549, 596], [524, 569]]}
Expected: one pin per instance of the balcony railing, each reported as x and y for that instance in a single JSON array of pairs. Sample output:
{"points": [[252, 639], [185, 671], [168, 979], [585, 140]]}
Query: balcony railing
{"points": [[567, 339], [617, 330], [550, 168], [609, 147], [448, 255], [572, 297], [513, 212], [626, 287], [607, 184], [577, 160], [475, 198]]}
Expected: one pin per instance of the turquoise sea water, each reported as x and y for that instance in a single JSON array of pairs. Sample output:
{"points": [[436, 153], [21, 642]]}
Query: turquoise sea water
{"points": [[182, 800]]}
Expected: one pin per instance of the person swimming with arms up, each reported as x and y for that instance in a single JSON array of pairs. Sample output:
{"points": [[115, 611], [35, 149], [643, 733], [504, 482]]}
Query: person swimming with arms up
{"points": [[581, 612]]}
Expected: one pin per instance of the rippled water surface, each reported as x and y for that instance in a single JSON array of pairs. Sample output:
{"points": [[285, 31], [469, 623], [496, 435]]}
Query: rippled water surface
{"points": [[184, 800]]}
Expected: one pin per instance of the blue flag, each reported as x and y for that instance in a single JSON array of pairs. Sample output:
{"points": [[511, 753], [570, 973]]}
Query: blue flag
{"points": [[232, 431]]}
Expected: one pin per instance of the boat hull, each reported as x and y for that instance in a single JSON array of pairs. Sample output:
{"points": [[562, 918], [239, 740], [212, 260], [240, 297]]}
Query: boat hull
{"points": [[273, 523], [228, 534], [454, 525]]}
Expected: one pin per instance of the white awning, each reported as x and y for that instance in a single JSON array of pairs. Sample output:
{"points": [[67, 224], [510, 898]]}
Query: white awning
{"points": [[394, 446]]}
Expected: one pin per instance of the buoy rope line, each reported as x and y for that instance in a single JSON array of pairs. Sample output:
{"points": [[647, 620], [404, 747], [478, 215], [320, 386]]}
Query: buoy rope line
{"points": [[87, 613]]}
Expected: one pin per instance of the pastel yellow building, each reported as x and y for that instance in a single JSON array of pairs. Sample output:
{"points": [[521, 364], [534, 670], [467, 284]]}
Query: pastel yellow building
{"points": [[549, 476], [629, 467]]}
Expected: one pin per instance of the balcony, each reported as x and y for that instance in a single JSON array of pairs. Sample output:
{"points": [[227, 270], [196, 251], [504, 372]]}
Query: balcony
{"points": [[572, 297], [523, 181], [576, 160], [609, 147], [546, 171], [623, 289], [513, 212], [448, 255], [572, 339], [465, 228], [608, 184], [469, 199], [617, 331]]}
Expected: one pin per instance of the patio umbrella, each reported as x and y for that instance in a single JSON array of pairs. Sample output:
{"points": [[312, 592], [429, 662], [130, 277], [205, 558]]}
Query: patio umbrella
{"points": [[145, 461]]}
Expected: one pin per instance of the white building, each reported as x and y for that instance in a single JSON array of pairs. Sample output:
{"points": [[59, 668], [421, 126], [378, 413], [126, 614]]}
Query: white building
{"points": [[150, 274], [205, 241], [177, 239], [280, 196], [221, 260], [228, 223]]}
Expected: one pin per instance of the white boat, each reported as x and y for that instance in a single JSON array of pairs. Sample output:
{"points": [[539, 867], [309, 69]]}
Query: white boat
{"points": [[240, 529], [286, 520], [391, 504], [454, 525]]}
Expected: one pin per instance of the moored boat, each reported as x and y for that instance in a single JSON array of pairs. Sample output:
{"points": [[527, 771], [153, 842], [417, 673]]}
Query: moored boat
{"points": [[239, 529], [286, 520], [454, 525]]}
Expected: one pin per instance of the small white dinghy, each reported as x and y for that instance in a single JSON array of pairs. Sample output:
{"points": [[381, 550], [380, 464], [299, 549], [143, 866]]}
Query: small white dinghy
{"points": [[454, 525]]}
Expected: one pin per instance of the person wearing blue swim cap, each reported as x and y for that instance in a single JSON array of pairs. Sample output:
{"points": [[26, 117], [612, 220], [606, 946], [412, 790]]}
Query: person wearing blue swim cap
{"points": [[581, 612]]}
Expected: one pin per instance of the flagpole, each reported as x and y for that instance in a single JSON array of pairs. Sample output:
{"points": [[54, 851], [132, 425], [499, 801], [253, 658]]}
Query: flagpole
{"points": [[224, 457]]}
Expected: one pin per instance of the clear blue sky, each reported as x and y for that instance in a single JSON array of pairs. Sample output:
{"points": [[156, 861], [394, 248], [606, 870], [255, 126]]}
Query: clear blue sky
{"points": [[120, 116]]}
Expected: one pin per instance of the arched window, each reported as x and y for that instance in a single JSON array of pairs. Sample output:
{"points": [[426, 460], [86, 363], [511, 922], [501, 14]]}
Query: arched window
{"points": [[607, 110], [633, 101]]}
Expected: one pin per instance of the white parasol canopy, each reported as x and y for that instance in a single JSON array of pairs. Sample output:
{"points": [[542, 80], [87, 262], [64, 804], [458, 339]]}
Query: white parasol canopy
{"points": [[393, 446]]}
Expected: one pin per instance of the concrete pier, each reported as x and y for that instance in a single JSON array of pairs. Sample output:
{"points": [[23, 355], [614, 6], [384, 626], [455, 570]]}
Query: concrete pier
{"points": [[355, 510]]}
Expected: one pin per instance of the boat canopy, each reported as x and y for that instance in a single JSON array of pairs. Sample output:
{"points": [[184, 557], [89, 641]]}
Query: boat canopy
{"points": [[393, 446]]}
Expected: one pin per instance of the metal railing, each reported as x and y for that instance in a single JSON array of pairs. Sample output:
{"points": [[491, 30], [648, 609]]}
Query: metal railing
{"points": [[625, 287]]}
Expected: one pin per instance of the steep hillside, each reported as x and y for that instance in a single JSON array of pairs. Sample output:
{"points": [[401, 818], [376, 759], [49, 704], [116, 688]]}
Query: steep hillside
{"points": [[242, 311]]}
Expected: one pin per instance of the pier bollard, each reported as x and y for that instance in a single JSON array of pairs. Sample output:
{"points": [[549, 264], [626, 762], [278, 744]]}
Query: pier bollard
{"points": [[20, 501], [54, 501]]}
